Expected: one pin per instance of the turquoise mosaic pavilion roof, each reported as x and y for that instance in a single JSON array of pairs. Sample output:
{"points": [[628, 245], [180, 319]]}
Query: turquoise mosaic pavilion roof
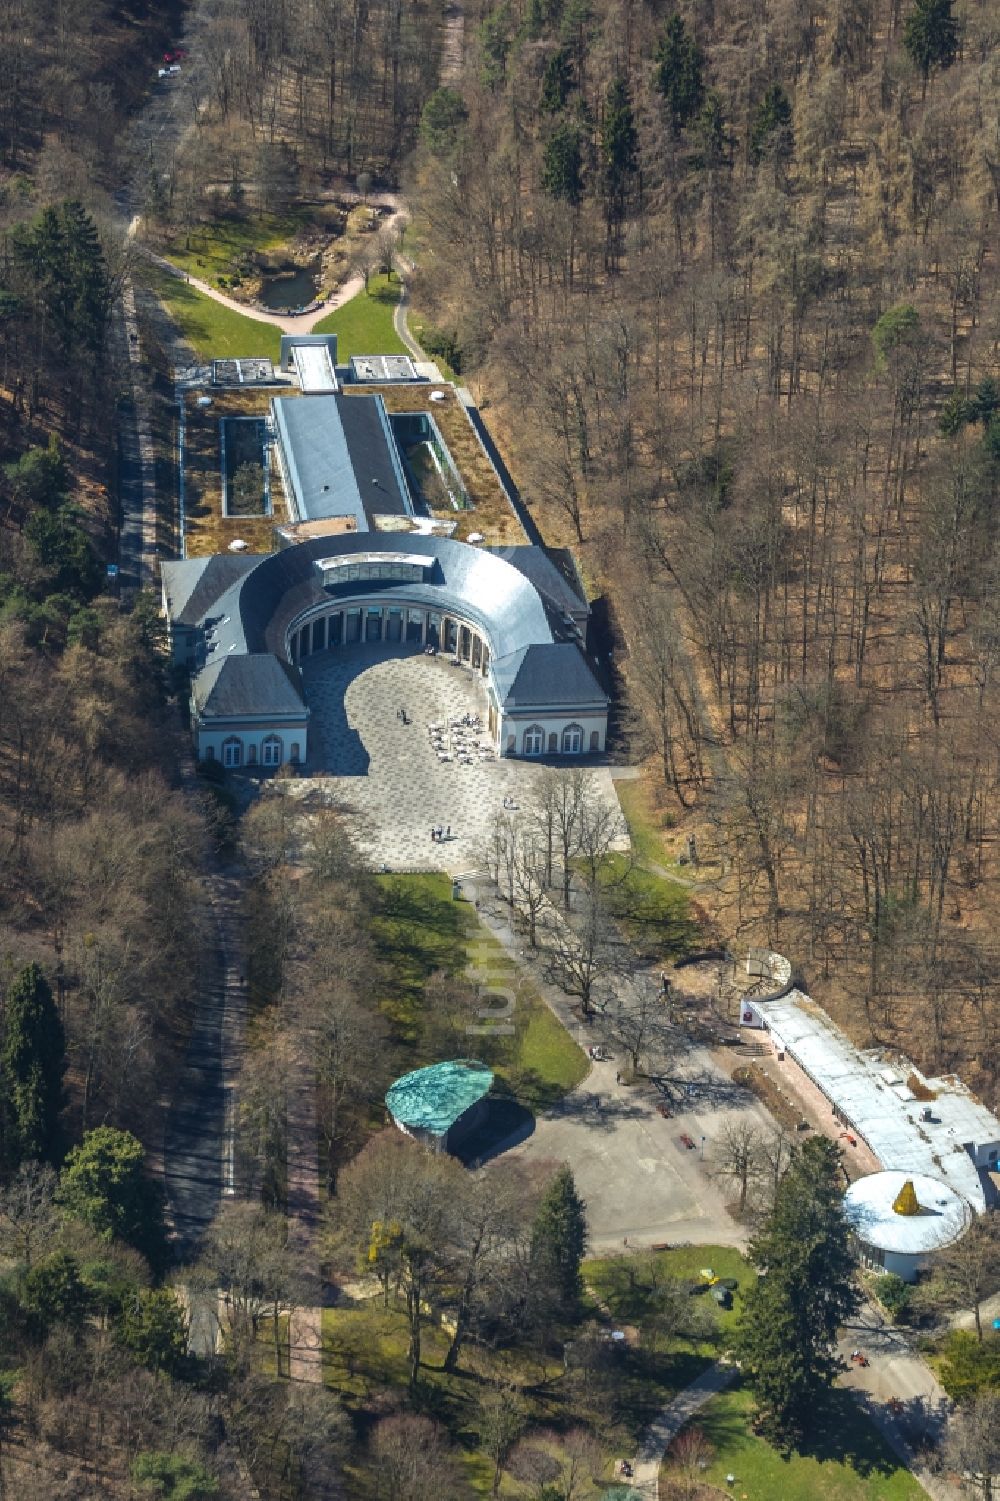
{"points": [[432, 1099]]}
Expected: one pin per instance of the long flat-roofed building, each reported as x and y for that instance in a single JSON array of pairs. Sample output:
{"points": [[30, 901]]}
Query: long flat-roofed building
{"points": [[929, 1132]]}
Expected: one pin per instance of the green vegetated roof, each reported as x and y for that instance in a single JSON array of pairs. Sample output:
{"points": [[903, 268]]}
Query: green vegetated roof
{"points": [[433, 1098]]}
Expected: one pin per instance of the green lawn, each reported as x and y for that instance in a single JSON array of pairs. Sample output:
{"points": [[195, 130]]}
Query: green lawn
{"points": [[419, 929], [364, 325], [646, 825], [213, 331], [848, 1461], [218, 249], [652, 909], [623, 1285]]}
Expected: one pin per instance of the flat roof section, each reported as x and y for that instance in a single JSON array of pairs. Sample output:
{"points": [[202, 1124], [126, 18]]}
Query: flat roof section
{"points": [[875, 1098], [396, 559], [338, 458], [381, 369], [314, 368]]}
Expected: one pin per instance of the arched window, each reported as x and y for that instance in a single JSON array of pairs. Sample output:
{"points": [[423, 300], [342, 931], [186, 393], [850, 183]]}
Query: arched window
{"points": [[572, 740], [534, 740], [232, 752], [272, 751]]}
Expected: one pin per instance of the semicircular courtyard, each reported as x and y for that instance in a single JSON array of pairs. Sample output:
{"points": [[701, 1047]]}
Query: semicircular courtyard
{"points": [[390, 744]]}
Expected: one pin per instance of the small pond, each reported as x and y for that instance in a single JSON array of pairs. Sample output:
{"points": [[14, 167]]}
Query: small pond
{"points": [[292, 289]]}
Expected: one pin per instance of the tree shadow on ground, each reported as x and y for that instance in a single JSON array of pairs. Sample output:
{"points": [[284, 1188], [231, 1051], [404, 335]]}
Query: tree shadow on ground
{"points": [[600, 1112], [840, 1432], [920, 1422], [702, 1090]]}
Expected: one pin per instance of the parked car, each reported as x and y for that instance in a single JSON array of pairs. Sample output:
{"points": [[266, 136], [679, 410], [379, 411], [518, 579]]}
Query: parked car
{"points": [[664, 1109], [687, 1141], [722, 1296]]}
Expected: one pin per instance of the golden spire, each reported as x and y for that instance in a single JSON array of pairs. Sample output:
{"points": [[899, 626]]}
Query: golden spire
{"points": [[906, 1201]]}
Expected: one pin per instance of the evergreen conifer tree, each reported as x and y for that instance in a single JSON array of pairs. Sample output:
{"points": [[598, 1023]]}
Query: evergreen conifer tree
{"points": [[559, 1239], [787, 1329], [930, 36], [32, 1064], [680, 73], [562, 165]]}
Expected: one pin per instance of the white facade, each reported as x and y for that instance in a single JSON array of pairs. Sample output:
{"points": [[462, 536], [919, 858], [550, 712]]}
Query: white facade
{"points": [[555, 732], [904, 1243], [242, 742], [345, 623]]}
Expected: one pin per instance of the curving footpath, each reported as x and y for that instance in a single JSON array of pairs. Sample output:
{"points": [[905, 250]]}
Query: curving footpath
{"points": [[665, 1428], [288, 323]]}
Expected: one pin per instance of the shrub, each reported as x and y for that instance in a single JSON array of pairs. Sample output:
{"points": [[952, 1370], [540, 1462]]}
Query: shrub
{"points": [[174, 1476], [969, 1367], [894, 1294]]}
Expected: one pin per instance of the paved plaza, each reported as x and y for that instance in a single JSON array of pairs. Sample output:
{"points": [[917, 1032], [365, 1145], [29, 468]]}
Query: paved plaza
{"points": [[387, 776]]}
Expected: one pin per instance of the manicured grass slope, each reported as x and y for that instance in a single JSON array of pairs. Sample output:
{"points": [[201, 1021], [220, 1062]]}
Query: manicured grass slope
{"points": [[848, 1460], [213, 331], [364, 325], [420, 929]]}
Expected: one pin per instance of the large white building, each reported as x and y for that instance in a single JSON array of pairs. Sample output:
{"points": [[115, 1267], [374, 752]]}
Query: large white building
{"points": [[930, 1132], [368, 572]]}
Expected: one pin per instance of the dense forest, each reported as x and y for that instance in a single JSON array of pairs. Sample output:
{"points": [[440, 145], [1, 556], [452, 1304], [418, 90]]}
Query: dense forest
{"points": [[729, 272], [725, 276]]}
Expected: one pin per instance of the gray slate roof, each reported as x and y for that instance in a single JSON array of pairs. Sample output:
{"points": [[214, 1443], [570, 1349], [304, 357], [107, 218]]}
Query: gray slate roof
{"points": [[534, 657], [340, 458], [548, 577], [550, 675], [194, 584], [237, 686]]}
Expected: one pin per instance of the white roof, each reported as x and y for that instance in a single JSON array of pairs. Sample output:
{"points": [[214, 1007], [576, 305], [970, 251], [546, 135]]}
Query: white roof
{"points": [[314, 367], [943, 1216], [875, 1099]]}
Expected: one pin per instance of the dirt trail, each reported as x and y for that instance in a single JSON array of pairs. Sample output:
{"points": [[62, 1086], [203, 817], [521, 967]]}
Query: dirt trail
{"points": [[453, 49]]}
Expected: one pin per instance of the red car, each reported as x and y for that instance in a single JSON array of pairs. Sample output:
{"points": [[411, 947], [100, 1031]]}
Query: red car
{"points": [[664, 1109], [687, 1141]]}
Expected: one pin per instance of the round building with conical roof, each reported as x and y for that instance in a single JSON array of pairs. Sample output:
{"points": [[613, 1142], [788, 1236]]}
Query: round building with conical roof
{"points": [[901, 1219]]}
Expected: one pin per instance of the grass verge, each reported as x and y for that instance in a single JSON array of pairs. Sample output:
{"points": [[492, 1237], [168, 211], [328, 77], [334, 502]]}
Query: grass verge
{"points": [[646, 824], [652, 909], [212, 330], [419, 929], [364, 324], [848, 1460]]}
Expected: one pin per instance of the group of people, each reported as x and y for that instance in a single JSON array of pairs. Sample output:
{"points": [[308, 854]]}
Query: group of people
{"points": [[402, 716], [440, 833], [510, 805]]}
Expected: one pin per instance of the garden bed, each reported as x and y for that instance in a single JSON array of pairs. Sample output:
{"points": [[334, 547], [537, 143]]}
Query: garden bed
{"points": [[207, 529], [246, 489]]}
